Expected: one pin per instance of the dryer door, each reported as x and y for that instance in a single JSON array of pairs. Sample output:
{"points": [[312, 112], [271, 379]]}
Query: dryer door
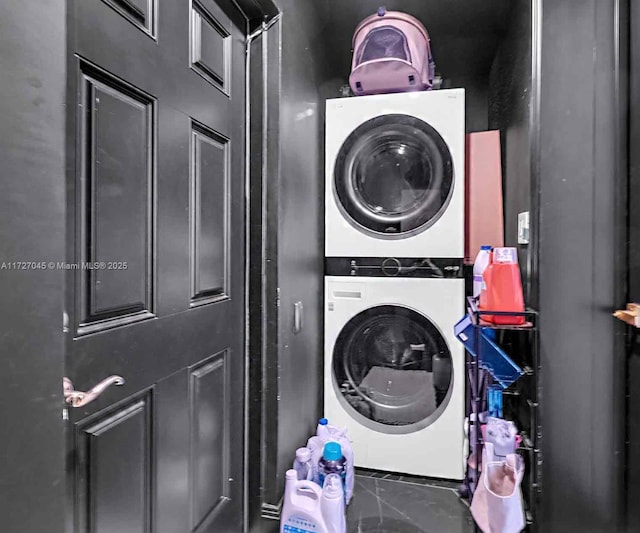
{"points": [[394, 176], [392, 369]]}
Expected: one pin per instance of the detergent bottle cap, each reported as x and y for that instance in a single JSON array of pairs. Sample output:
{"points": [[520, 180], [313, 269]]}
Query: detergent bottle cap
{"points": [[323, 421], [332, 451], [292, 475], [486, 247], [303, 455]]}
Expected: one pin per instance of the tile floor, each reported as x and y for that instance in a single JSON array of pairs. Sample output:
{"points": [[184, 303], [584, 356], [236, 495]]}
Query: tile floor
{"points": [[391, 504], [387, 505]]}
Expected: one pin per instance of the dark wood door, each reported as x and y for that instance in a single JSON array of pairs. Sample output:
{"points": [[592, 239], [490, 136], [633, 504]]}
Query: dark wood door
{"points": [[155, 281]]}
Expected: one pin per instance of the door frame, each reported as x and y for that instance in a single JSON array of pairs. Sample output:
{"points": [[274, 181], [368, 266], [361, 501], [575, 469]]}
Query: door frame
{"points": [[33, 58]]}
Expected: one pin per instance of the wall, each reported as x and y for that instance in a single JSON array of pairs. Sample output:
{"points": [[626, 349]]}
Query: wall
{"points": [[476, 100], [300, 231], [510, 112], [293, 252], [580, 270]]}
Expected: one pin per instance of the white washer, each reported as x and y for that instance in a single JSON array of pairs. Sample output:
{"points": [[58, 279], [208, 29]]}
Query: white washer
{"points": [[394, 372], [395, 175]]}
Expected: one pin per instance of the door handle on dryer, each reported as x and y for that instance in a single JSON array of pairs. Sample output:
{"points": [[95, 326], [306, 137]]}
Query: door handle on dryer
{"points": [[79, 399]]}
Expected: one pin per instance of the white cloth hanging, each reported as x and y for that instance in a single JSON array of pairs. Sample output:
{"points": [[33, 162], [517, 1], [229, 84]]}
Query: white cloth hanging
{"points": [[497, 502]]}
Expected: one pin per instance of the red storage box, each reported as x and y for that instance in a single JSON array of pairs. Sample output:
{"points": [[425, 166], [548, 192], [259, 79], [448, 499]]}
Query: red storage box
{"points": [[484, 218]]}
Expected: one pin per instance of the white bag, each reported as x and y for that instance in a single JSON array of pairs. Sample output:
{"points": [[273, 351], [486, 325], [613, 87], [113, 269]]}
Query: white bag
{"points": [[497, 502], [328, 433]]}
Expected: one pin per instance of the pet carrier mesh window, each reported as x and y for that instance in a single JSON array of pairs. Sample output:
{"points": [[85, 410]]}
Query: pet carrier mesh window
{"points": [[384, 42]]}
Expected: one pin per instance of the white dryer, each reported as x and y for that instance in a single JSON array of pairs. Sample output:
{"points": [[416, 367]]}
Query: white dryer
{"points": [[395, 175], [394, 372]]}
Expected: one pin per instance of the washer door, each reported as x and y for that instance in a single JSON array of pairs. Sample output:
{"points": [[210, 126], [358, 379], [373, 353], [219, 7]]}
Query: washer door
{"points": [[392, 370], [394, 176]]}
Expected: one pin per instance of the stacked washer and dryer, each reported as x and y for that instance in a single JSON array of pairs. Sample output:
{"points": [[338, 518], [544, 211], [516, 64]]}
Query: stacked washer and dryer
{"points": [[394, 220]]}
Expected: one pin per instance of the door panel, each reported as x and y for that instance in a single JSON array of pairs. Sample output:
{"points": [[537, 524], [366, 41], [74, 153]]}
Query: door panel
{"points": [[172, 469], [116, 177], [157, 194], [119, 198], [209, 215], [210, 42], [209, 409], [114, 452], [141, 13]]}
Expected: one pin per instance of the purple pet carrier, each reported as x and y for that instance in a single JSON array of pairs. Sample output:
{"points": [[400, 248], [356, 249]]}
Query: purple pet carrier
{"points": [[391, 53]]}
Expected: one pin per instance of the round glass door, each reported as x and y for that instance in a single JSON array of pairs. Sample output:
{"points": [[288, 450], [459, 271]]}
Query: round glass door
{"points": [[394, 175], [392, 369]]}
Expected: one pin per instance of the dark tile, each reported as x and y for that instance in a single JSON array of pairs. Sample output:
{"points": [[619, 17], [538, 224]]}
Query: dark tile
{"points": [[443, 483], [390, 506], [362, 472]]}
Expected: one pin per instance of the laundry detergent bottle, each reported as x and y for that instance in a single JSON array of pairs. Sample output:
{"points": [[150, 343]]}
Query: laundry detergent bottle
{"points": [[323, 430], [482, 298], [479, 266], [502, 290], [302, 506], [333, 504]]}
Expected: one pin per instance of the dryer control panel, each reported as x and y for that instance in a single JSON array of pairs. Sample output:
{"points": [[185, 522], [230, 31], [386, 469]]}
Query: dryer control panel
{"points": [[390, 267]]}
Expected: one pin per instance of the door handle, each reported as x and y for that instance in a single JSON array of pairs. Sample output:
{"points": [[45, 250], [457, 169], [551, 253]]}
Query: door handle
{"points": [[77, 398]]}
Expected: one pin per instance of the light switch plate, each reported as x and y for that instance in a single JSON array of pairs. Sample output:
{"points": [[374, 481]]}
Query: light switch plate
{"points": [[297, 317], [523, 228]]}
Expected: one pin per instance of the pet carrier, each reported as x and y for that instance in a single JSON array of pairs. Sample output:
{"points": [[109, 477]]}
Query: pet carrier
{"points": [[391, 53]]}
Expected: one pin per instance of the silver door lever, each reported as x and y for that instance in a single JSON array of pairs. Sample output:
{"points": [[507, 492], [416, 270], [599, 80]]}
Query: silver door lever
{"points": [[79, 399]]}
